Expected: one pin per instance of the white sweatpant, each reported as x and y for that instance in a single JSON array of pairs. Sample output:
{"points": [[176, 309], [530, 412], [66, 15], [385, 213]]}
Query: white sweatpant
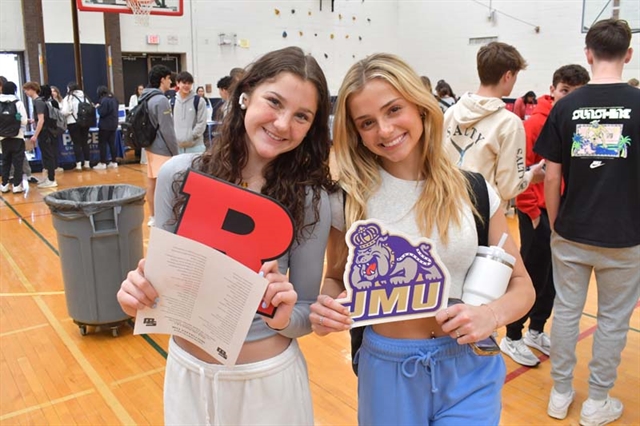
{"points": [[270, 392]]}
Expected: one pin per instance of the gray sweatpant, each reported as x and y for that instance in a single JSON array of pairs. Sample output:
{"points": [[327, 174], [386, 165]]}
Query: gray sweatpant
{"points": [[617, 272]]}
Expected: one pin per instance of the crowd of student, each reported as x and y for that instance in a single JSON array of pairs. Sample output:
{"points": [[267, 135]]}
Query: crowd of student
{"points": [[574, 167]]}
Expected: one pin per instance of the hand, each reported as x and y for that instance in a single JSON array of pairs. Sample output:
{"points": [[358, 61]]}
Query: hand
{"points": [[136, 292], [538, 172], [328, 316], [466, 323], [30, 120], [33, 140], [279, 293], [535, 222]]}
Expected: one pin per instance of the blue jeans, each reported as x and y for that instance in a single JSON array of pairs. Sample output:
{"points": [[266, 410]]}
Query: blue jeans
{"points": [[426, 382]]}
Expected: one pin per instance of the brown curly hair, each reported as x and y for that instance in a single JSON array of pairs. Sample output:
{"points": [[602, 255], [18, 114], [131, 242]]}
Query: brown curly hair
{"points": [[289, 175]]}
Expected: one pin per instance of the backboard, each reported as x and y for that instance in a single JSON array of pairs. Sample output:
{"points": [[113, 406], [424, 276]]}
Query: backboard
{"points": [[159, 7], [597, 10]]}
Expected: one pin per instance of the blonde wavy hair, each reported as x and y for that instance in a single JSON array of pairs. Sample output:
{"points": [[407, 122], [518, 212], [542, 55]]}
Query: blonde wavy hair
{"points": [[446, 190]]}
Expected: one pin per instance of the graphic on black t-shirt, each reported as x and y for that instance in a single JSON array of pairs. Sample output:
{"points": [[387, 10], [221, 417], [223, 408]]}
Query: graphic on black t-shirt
{"points": [[596, 140]]}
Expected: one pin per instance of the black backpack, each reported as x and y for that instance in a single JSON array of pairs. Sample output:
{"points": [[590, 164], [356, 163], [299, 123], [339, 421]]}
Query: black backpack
{"points": [[137, 129], [9, 119], [480, 198], [86, 116]]}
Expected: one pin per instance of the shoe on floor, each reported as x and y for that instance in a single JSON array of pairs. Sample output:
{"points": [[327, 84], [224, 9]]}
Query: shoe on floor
{"points": [[33, 179], [599, 413], [519, 352], [86, 165], [4, 188], [538, 340], [79, 166], [152, 221], [48, 184], [100, 166], [18, 189], [559, 403], [113, 165], [59, 170]]}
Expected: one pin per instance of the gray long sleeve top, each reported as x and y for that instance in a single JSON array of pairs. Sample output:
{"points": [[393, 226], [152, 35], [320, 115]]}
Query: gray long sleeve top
{"points": [[160, 115], [304, 262]]}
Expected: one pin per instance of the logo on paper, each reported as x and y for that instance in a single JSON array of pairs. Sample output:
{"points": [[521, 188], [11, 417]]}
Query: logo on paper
{"points": [[388, 277], [150, 322], [221, 352]]}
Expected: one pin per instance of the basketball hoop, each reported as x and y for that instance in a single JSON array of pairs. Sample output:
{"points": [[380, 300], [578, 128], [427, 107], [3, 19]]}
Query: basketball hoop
{"points": [[141, 10]]}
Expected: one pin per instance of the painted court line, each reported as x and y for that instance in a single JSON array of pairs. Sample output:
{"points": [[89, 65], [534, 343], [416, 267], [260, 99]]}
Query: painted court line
{"points": [[103, 389], [22, 330], [46, 404]]}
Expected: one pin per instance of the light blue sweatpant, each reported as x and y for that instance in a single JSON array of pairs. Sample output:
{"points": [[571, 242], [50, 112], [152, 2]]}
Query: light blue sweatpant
{"points": [[426, 382], [617, 272]]}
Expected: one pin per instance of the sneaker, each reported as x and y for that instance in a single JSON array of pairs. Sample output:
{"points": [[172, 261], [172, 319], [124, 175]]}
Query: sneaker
{"points": [[100, 166], [599, 413], [559, 403], [4, 188], [538, 340], [86, 165], [519, 352], [18, 189], [152, 221], [59, 170], [79, 166], [113, 165], [48, 184], [33, 179]]}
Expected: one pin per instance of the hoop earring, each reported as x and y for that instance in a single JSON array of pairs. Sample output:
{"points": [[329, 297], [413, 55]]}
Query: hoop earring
{"points": [[243, 97]]}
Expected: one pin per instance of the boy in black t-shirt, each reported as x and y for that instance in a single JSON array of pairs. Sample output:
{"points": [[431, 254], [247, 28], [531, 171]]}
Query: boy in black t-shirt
{"points": [[591, 141]]}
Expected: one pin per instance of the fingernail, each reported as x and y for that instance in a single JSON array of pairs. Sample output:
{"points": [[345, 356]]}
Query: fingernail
{"points": [[157, 300], [261, 273], [264, 305], [155, 305]]}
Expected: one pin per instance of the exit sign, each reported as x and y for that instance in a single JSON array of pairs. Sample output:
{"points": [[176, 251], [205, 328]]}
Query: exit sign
{"points": [[153, 39]]}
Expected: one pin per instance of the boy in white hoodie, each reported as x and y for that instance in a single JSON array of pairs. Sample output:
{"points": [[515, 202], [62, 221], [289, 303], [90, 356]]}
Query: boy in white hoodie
{"points": [[189, 116], [12, 121], [481, 135]]}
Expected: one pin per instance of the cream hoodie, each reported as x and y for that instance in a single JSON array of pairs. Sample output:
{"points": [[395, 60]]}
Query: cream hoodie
{"points": [[481, 135]]}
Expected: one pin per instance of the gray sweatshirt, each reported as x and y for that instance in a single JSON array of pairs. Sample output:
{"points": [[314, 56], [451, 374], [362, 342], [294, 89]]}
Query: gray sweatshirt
{"points": [[189, 123], [160, 114]]}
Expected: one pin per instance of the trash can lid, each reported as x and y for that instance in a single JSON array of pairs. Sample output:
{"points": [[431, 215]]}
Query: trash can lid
{"points": [[93, 199]]}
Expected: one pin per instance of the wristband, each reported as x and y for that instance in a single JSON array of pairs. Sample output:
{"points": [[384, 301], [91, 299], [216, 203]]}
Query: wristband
{"points": [[279, 329]]}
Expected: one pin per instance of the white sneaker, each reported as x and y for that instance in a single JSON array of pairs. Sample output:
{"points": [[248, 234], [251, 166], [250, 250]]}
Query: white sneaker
{"points": [[48, 184], [519, 352], [152, 221], [538, 340], [18, 189], [100, 166], [79, 166], [599, 413], [86, 165], [113, 165], [4, 188], [59, 170], [559, 403]]}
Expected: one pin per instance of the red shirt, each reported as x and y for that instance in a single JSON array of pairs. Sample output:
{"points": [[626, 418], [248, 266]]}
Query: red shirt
{"points": [[532, 199]]}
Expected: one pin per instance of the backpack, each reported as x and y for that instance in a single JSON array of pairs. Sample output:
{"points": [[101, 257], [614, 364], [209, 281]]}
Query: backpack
{"points": [[54, 120], [137, 129], [480, 198], [86, 115], [9, 119]]}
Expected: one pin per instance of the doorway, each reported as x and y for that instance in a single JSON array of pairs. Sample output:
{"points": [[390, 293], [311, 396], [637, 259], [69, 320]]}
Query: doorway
{"points": [[136, 66]]}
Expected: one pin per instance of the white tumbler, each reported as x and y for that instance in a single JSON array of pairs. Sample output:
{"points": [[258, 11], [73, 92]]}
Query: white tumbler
{"points": [[488, 276]]}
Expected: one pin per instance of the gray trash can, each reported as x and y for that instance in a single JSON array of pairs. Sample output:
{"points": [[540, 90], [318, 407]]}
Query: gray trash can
{"points": [[100, 239]]}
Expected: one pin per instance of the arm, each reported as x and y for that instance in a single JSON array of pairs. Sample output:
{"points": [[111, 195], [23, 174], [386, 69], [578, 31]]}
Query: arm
{"points": [[334, 316], [201, 120], [24, 119], [39, 127], [306, 261], [65, 109], [511, 178], [104, 108], [552, 188], [528, 201], [475, 323]]}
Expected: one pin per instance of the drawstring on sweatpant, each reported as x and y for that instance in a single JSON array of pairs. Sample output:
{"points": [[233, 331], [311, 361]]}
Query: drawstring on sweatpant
{"points": [[205, 396], [427, 361]]}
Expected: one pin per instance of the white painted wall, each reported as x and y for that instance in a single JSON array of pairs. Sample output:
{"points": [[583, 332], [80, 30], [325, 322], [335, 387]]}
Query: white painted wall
{"points": [[435, 39], [11, 28], [432, 35]]}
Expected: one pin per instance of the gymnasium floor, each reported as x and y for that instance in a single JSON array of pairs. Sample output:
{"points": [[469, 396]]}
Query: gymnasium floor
{"points": [[50, 374]]}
